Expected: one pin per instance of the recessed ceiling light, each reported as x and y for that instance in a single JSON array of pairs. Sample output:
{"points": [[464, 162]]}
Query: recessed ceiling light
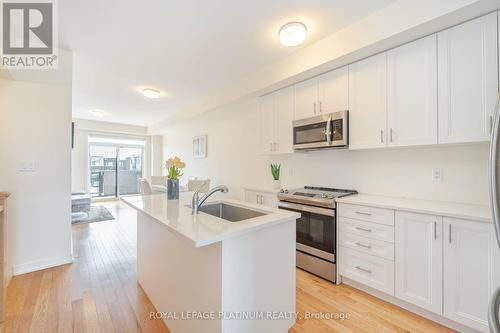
{"points": [[98, 113], [292, 33], [151, 93]]}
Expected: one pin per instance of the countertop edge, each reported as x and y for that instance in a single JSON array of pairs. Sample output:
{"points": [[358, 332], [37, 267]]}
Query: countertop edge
{"points": [[419, 206]]}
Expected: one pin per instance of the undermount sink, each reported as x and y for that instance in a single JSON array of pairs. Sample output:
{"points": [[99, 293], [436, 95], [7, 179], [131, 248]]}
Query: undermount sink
{"points": [[229, 212]]}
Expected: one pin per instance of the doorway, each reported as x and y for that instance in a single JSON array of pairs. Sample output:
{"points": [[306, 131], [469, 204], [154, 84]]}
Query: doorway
{"points": [[115, 166]]}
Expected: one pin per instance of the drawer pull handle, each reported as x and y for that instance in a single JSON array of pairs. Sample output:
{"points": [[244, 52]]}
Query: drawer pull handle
{"points": [[363, 245], [364, 269], [363, 213], [363, 229]]}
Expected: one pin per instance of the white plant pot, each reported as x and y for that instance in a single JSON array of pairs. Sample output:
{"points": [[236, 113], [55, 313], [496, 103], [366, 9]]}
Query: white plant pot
{"points": [[277, 184]]}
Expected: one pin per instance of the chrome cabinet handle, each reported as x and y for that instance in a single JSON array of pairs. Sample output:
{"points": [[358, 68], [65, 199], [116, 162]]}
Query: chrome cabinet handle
{"points": [[320, 107], [364, 269], [274, 146], [390, 135], [449, 233], [363, 213], [314, 107], [363, 245], [435, 230], [491, 124], [363, 229], [381, 136]]}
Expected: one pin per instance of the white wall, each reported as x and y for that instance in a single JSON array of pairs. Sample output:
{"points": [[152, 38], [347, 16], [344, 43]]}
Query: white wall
{"points": [[234, 159], [35, 124]]}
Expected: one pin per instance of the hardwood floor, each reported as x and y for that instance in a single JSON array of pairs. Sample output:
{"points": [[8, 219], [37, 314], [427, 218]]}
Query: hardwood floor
{"points": [[98, 293]]}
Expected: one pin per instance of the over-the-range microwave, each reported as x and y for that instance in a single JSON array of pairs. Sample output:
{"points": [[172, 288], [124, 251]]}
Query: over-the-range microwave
{"points": [[323, 131]]}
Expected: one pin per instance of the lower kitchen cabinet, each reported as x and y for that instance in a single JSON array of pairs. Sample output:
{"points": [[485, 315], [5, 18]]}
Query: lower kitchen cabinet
{"points": [[471, 271], [268, 198], [419, 251], [446, 266]]}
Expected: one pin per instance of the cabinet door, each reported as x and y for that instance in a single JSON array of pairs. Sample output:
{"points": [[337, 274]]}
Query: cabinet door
{"points": [[468, 80], [267, 122], [368, 102], [419, 252], [306, 99], [252, 197], [284, 118], [471, 271], [269, 199], [333, 91], [412, 93]]}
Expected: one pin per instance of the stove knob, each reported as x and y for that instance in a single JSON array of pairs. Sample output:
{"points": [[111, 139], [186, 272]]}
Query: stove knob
{"points": [[286, 191], [324, 196]]}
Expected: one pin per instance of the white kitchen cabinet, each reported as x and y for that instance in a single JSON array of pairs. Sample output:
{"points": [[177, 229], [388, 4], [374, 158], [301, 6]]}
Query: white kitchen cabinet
{"points": [[471, 271], [267, 122], [333, 91], [368, 102], [419, 248], [306, 99], [283, 121], [412, 93], [276, 122], [268, 198], [326, 93], [467, 80]]}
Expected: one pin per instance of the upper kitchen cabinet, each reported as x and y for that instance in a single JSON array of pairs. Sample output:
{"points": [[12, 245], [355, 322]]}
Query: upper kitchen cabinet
{"points": [[412, 93], [267, 122], [306, 99], [467, 80], [333, 91], [323, 94], [276, 122], [368, 102]]}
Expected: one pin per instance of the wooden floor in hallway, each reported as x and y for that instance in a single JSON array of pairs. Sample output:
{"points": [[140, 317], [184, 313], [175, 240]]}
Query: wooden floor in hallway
{"points": [[99, 293]]}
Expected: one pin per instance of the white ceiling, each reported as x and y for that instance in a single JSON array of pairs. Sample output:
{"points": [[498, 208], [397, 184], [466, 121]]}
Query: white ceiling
{"points": [[189, 50]]}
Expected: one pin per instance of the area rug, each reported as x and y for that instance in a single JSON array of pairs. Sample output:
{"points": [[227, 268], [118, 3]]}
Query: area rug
{"points": [[96, 214]]}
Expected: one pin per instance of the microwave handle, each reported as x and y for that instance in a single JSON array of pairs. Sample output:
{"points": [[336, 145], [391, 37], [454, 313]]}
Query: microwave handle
{"points": [[328, 132]]}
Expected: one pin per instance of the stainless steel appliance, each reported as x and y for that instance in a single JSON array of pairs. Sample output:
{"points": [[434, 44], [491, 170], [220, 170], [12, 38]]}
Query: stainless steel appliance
{"points": [[316, 228], [324, 131], [493, 313]]}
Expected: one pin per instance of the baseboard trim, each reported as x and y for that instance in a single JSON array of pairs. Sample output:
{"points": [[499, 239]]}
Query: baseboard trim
{"points": [[40, 264], [410, 307]]}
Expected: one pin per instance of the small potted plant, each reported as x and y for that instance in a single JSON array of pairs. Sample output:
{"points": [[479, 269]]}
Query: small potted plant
{"points": [[174, 166], [275, 171]]}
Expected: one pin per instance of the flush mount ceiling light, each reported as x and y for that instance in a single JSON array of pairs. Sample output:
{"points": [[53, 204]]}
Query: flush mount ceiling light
{"points": [[98, 113], [151, 93], [292, 33]]}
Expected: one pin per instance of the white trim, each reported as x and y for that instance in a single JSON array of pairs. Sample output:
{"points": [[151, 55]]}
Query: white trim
{"points": [[41, 264], [410, 307]]}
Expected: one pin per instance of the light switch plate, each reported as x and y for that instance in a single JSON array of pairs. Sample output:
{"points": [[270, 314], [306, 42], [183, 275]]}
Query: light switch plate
{"points": [[27, 166], [437, 175]]}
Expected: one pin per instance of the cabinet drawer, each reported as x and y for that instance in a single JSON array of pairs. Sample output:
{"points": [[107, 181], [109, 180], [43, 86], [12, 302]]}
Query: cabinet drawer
{"points": [[372, 271], [367, 245], [366, 229], [365, 213]]}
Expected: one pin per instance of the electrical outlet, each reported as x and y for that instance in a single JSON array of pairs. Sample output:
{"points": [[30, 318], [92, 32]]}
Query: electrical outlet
{"points": [[437, 175]]}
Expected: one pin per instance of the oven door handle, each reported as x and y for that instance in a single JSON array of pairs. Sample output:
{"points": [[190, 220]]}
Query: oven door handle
{"points": [[328, 132], [304, 208]]}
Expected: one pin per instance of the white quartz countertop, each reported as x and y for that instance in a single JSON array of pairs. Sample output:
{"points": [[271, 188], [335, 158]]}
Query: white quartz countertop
{"points": [[481, 213], [204, 229]]}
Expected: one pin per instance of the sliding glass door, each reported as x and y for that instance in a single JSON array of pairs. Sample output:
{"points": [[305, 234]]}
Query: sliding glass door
{"points": [[115, 166]]}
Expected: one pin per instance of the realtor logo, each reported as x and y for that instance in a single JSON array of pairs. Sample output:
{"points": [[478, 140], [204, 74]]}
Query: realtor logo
{"points": [[28, 34]]}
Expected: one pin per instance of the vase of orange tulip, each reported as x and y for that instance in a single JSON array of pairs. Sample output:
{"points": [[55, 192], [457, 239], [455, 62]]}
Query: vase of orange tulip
{"points": [[174, 166]]}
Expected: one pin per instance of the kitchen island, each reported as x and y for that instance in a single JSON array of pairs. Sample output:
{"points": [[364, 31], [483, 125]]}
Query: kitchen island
{"points": [[204, 273]]}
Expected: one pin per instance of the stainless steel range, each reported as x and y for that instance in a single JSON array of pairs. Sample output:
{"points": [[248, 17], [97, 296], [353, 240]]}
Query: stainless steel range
{"points": [[316, 228]]}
